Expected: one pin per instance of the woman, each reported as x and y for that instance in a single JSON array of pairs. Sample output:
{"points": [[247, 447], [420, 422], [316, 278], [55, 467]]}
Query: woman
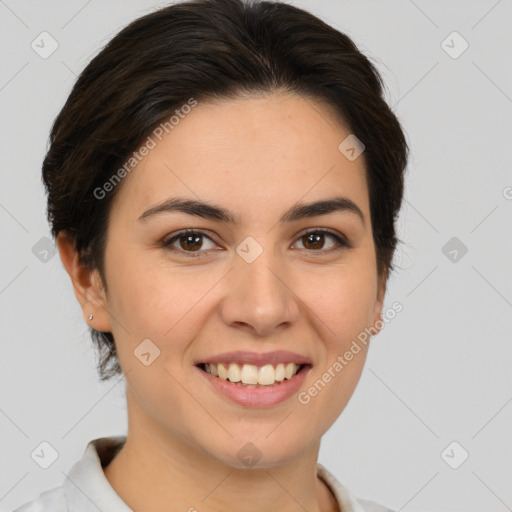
{"points": [[223, 183]]}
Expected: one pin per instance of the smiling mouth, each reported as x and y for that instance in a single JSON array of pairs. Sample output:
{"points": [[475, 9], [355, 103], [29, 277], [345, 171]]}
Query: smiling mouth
{"points": [[252, 376]]}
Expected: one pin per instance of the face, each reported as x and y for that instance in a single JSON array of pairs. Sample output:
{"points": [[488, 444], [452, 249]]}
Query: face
{"points": [[306, 284]]}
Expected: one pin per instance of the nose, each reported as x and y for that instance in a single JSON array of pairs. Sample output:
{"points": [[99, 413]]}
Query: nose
{"points": [[258, 297]]}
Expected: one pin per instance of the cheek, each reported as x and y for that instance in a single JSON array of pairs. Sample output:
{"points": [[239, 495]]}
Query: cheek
{"points": [[343, 298], [343, 311], [149, 297], [342, 302], [348, 309]]}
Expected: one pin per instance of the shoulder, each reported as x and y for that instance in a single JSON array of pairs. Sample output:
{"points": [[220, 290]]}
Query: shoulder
{"points": [[52, 500], [346, 500]]}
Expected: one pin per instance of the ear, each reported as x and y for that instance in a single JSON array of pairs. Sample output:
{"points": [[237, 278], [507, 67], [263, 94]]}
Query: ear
{"points": [[87, 284], [379, 303]]}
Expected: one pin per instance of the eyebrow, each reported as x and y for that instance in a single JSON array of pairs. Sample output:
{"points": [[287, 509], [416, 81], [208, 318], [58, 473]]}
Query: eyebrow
{"points": [[210, 211]]}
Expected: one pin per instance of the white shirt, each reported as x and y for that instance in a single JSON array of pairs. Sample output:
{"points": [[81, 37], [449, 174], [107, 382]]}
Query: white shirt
{"points": [[86, 489]]}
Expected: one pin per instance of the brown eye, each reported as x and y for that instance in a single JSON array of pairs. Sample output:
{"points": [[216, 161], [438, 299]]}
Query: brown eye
{"points": [[316, 240], [188, 242]]}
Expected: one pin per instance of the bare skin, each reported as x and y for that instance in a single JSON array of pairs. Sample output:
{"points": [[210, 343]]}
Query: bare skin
{"points": [[256, 157]]}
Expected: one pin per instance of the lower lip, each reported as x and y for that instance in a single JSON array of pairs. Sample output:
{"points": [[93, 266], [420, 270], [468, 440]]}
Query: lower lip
{"points": [[257, 397]]}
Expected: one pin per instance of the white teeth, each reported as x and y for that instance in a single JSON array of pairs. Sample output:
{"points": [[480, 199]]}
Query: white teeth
{"points": [[221, 370], [280, 372], [234, 372], [290, 370], [267, 374], [250, 374]]}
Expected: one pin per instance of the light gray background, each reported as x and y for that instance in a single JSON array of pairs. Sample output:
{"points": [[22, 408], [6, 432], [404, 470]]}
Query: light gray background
{"points": [[439, 372]]}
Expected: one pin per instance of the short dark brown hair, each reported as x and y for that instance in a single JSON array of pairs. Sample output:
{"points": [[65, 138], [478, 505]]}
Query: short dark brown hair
{"points": [[210, 49]]}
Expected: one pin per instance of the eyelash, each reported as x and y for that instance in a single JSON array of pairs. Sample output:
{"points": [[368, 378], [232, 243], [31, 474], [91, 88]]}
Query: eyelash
{"points": [[167, 243]]}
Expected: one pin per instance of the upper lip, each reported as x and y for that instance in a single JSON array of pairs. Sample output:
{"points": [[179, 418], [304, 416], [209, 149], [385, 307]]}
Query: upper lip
{"points": [[255, 358]]}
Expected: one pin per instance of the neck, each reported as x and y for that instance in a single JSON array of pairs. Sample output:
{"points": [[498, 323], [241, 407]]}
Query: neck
{"points": [[156, 470]]}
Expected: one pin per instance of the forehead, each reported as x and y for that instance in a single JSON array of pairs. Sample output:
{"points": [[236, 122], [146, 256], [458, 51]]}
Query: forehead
{"points": [[251, 153]]}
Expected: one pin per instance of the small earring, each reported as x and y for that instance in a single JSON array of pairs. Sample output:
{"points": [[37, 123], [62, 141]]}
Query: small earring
{"points": [[90, 317]]}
